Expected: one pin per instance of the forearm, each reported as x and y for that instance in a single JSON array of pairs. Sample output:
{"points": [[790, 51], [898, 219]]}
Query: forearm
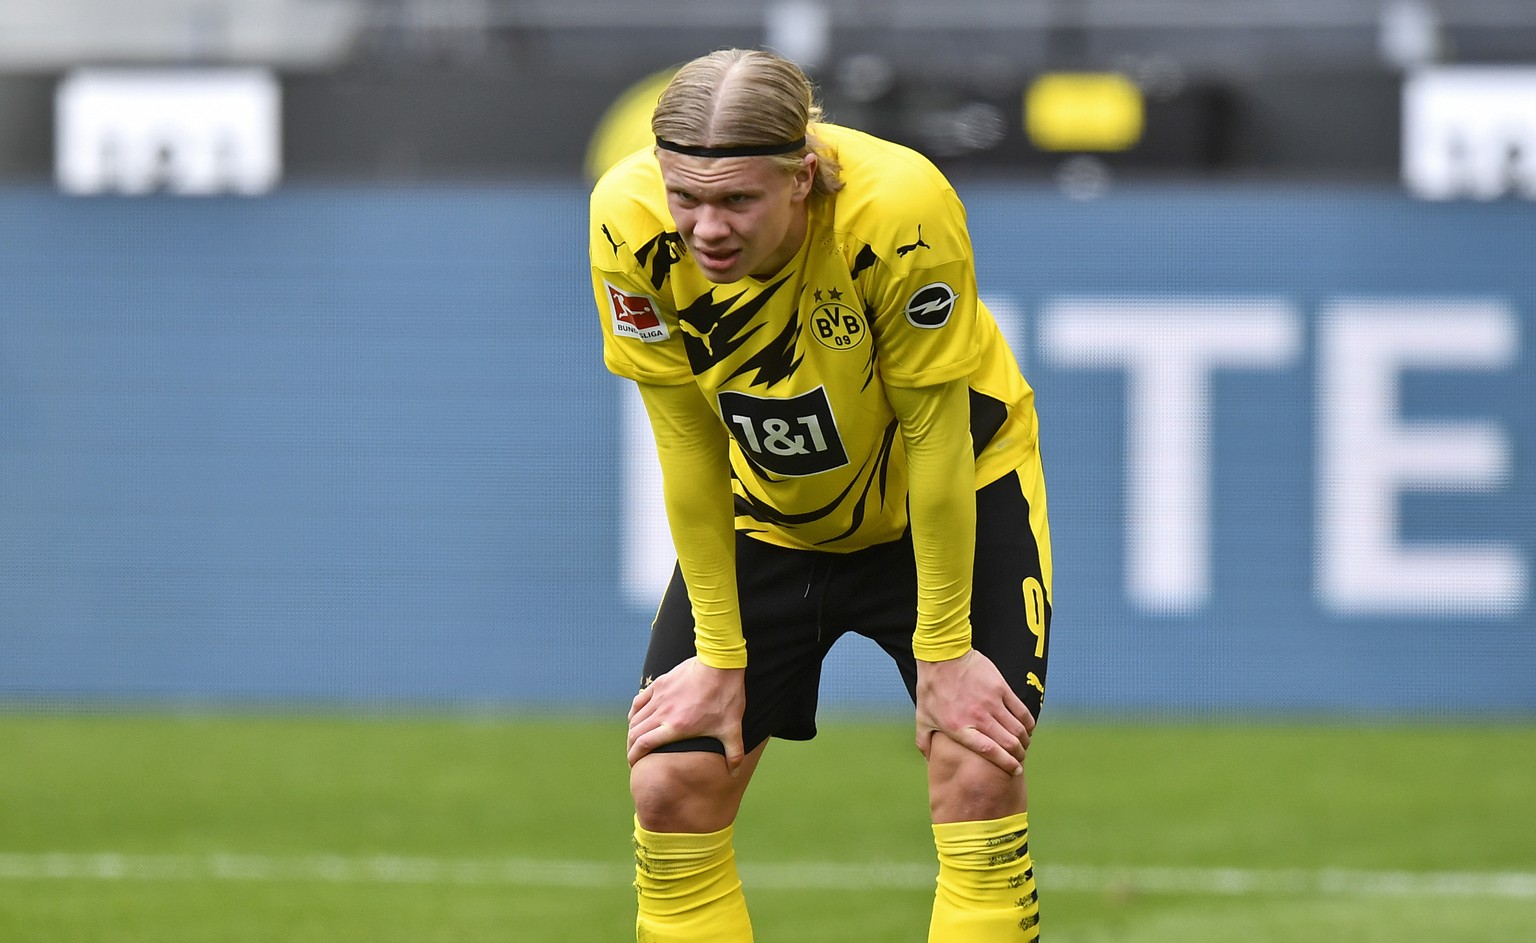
{"points": [[935, 424], [696, 488]]}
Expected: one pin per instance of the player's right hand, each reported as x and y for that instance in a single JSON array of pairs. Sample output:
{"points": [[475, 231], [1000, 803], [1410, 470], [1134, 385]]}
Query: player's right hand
{"points": [[691, 700]]}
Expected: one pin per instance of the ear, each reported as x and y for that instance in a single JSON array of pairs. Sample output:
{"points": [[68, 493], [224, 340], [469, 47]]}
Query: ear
{"points": [[805, 176]]}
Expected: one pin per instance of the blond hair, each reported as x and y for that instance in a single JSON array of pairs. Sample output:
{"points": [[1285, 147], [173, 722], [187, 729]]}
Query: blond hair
{"points": [[743, 98]]}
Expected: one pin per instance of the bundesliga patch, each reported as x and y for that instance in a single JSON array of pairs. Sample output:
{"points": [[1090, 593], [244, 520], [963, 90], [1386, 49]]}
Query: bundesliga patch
{"points": [[931, 305], [635, 316]]}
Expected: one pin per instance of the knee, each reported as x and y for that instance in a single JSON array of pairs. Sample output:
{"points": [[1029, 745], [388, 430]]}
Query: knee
{"points": [[683, 792], [963, 787]]}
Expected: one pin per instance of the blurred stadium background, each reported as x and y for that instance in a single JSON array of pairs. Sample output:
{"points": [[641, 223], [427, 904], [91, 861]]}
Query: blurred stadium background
{"points": [[302, 399], [302, 405]]}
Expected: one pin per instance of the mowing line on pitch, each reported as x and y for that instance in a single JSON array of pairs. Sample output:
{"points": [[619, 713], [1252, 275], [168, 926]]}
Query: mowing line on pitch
{"points": [[532, 872]]}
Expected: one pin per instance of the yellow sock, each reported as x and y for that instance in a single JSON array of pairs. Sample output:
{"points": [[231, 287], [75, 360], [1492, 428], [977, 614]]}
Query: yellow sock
{"points": [[688, 889], [986, 891]]}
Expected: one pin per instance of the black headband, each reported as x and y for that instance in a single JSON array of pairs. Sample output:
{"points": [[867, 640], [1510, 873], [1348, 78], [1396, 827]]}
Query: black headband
{"points": [[734, 150]]}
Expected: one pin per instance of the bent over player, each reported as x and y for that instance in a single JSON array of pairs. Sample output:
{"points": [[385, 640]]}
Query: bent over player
{"points": [[846, 444]]}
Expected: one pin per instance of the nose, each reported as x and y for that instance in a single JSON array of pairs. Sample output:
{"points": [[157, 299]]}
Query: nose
{"points": [[710, 224]]}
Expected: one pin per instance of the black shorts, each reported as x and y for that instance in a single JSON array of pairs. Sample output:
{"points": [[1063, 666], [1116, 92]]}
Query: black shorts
{"points": [[796, 603]]}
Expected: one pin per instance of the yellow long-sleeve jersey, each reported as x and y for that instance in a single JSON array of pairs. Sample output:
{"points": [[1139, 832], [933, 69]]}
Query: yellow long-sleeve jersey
{"points": [[799, 368]]}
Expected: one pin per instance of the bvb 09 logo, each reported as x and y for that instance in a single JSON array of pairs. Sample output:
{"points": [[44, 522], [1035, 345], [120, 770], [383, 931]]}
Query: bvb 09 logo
{"points": [[837, 326]]}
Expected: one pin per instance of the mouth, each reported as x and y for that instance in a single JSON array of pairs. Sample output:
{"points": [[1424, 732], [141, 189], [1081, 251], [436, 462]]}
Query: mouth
{"points": [[716, 260]]}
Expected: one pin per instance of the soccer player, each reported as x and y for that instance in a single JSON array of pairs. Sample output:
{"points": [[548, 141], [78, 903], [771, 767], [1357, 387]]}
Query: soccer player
{"points": [[846, 444]]}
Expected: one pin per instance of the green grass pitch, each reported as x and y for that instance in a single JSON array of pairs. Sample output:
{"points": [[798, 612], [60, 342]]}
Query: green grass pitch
{"points": [[325, 829]]}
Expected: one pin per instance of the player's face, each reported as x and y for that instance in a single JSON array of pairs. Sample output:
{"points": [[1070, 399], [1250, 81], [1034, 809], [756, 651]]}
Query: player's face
{"points": [[739, 216]]}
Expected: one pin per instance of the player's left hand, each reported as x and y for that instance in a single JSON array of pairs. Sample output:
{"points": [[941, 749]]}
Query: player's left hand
{"points": [[967, 700]]}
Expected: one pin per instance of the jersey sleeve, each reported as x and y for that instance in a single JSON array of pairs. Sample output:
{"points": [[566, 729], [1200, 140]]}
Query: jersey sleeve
{"points": [[640, 330], [696, 488], [935, 426], [923, 292]]}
